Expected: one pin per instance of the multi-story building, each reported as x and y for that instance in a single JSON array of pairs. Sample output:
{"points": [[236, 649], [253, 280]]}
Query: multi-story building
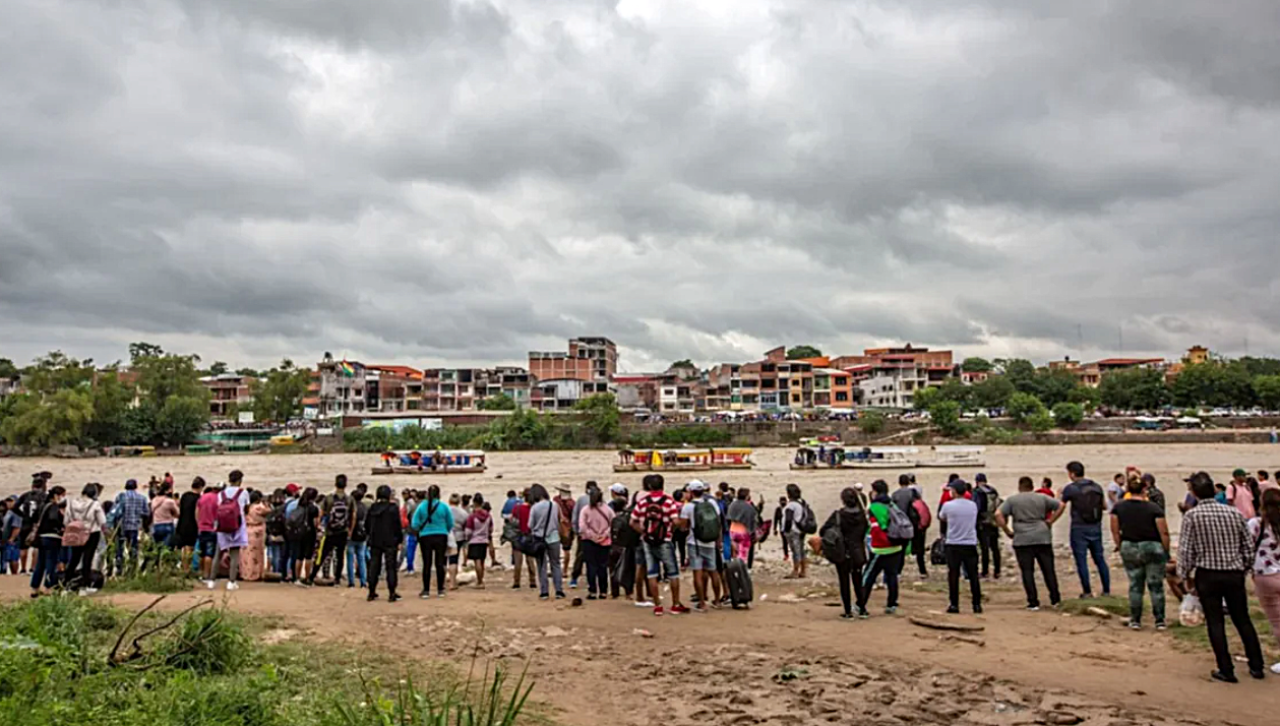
{"points": [[637, 392], [895, 374], [228, 393], [343, 388], [832, 388], [776, 383], [724, 388], [399, 388], [464, 389], [884, 391], [590, 360], [1090, 374], [559, 394]]}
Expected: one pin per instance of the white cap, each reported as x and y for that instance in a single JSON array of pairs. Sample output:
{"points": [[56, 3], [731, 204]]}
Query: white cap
{"points": [[857, 485], [697, 485], [618, 488]]}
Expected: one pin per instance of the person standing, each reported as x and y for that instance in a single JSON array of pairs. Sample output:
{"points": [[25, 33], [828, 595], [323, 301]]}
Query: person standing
{"points": [[460, 507], [843, 543], [1241, 495], [545, 524], [1154, 493], [1142, 538], [383, 524], [29, 506], [164, 517], [960, 516], [653, 517], [519, 560], [233, 533], [743, 519], [477, 534], [1265, 529], [131, 509], [49, 525], [908, 499], [302, 524], [253, 557], [595, 532], [700, 516], [433, 520], [337, 516], [792, 531], [988, 501], [564, 499], [886, 555], [1088, 505], [1215, 550], [86, 510], [1033, 516], [357, 541], [207, 527], [187, 532], [579, 555]]}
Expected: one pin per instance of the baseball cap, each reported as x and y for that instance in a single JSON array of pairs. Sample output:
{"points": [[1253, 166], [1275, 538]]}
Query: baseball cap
{"points": [[618, 488], [1239, 472], [292, 488], [697, 485], [857, 485], [980, 477], [960, 485]]}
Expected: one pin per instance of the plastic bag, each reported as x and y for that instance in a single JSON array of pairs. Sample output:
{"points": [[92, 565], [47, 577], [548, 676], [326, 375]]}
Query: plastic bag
{"points": [[1191, 614]]}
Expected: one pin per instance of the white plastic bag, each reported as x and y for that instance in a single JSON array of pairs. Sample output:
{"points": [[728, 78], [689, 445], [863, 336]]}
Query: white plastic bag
{"points": [[1191, 614]]}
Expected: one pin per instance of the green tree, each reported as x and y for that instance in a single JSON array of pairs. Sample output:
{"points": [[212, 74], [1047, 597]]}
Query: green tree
{"points": [[500, 402], [1023, 406], [8, 371], [953, 389], [945, 416], [683, 363], [1134, 389], [1088, 397], [602, 417], [56, 372], [1040, 421], [144, 350], [1022, 374], [180, 418], [1260, 366], [993, 392], [248, 372], [1215, 384], [1054, 386], [43, 421], [871, 422], [925, 398], [218, 368], [1068, 415], [1267, 389], [277, 395], [976, 365], [113, 422], [803, 351]]}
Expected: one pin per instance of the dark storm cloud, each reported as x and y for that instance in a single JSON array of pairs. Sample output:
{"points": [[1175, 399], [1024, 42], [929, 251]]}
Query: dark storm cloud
{"points": [[432, 181]]}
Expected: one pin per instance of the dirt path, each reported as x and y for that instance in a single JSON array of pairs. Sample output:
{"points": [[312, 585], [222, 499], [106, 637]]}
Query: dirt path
{"points": [[789, 660]]}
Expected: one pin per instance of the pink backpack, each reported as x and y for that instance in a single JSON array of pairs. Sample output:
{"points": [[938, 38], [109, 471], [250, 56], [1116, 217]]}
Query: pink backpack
{"points": [[228, 517]]}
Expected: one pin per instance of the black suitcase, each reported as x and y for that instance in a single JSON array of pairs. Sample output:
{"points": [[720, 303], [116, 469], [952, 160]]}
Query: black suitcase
{"points": [[738, 578]]}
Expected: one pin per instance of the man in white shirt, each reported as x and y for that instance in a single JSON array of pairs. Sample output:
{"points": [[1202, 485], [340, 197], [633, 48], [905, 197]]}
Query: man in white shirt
{"points": [[961, 518]]}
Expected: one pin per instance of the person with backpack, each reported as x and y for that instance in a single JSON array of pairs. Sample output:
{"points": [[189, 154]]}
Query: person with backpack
{"points": [[46, 538], [701, 516], [231, 527], [275, 532], [988, 501], [843, 544], [302, 524], [433, 521], [545, 527], [797, 521], [908, 499], [519, 522], [357, 540], [625, 543], [1032, 515], [132, 509], [743, 518], [383, 524], [29, 506], [477, 535], [338, 518], [960, 517], [595, 536], [654, 518], [888, 541], [1088, 505], [84, 522]]}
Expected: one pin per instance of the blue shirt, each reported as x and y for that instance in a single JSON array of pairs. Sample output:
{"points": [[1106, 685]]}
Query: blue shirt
{"points": [[130, 509], [510, 505], [441, 520]]}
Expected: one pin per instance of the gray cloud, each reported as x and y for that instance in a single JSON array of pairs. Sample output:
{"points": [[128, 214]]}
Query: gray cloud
{"points": [[464, 181]]}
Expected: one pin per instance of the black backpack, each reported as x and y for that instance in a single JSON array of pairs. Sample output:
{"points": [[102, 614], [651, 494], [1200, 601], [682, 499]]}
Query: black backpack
{"points": [[339, 514], [1091, 503], [833, 541], [298, 523], [808, 523], [620, 530], [359, 532], [275, 522]]}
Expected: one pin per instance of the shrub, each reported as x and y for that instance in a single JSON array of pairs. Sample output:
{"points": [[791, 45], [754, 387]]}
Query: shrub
{"points": [[871, 422], [1040, 422], [945, 416], [1022, 406], [1068, 415], [210, 643]]}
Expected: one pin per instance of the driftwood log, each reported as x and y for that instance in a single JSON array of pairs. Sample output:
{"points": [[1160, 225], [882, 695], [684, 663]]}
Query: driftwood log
{"points": [[956, 627]]}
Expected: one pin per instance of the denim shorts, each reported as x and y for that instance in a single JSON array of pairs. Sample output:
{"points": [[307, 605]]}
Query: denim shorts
{"points": [[660, 560], [207, 544], [702, 556], [11, 553], [798, 552]]}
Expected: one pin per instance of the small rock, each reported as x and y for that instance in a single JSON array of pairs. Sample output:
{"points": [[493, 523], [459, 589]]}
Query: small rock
{"points": [[1063, 718], [642, 633]]}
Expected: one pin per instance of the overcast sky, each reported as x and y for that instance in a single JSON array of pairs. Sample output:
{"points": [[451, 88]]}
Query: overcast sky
{"points": [[430, 182]]}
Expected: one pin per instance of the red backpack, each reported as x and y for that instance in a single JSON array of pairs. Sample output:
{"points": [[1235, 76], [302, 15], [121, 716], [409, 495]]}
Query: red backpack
{"points": [[228, 517]]}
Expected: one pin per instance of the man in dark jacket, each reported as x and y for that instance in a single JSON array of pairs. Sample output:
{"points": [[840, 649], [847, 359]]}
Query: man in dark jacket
{"points": [[385, 535]]}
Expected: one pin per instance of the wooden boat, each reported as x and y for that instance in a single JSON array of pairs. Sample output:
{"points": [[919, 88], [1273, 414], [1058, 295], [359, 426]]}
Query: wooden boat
{"points": [[955, 457], [432, 462], [882, 457], [732, 458], [681, 460], [815, 455], [634, 460]]}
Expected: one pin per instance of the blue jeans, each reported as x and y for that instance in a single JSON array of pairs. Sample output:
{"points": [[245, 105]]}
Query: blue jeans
{"points": [[126, 538], [162, 534], [410, 549], [50, 548], [276, 557], [357, 556], [1086, 541]]}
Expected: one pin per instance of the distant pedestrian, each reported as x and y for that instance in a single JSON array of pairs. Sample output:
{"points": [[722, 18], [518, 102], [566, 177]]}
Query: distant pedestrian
{"points": [[477, 533], [131, 508], [960, 515], [49, 524], [386, 534], [545, 524], [1033, 515], [1215, 550], [1088, 505], [886, 554], [843, 544], [1265, 529], [793, 516], [1142, 538], [595, 532]]}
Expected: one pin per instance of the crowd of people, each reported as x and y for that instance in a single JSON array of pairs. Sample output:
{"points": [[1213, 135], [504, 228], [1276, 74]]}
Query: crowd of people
{"points": [[631, 545]]}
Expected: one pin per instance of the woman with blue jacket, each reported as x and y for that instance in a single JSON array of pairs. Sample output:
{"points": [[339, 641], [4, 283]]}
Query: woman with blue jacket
{"points": [[433, 521]]}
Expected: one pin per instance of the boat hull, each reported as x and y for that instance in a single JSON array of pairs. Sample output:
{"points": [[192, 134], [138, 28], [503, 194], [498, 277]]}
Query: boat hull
{"points": [[427, 471]]}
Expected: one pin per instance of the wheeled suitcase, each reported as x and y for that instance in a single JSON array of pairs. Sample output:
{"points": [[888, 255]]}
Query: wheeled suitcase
{"points": [[738, 578]]}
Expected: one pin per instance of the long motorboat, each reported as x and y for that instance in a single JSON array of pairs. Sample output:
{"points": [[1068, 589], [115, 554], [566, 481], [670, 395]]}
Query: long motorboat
{"points": [[836, 456], [432, 462], [955, 457], [882, 457], [630, 460], [819, 456]]}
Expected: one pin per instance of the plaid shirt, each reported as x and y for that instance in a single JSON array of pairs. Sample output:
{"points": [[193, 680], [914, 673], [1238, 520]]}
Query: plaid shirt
{"points": [[133, 507], [1214, 536]]}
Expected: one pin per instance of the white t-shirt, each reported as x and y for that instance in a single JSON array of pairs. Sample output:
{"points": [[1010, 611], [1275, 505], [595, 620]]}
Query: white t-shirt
{"points": [[797, 513], [1118, 491], [961, 516]]}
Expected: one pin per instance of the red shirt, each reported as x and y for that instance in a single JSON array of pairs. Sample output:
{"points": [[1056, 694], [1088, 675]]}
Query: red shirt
{"points": [[520, 513], [670, 510], [948, 494]]}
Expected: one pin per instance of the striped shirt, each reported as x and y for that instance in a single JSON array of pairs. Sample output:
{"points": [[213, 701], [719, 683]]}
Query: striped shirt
{"points": [[669, 509], [1214, 536], [133, 507]]}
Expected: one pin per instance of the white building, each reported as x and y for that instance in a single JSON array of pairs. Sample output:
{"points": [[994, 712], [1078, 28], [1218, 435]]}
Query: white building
{"points": [[888, 392]]}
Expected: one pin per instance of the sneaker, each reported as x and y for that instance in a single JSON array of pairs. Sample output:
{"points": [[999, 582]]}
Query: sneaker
{"points": [[373, 596], [1257, 674], [846, 616], [1086, 596], [424, 595], [209, 584], [91, 590], [1135, 625], [515, 586], [863, 614], [1033, 608], [953, 610], [560, 595], [393, 598], [591, 596], [701, 608], [440, 594], [1276, 669], [544, 596], [573, 584], [1224, 677], [233, 586], [891, 610], [658, 611], [679, 610], [644, 604], [977, 610], [1161, 626]]}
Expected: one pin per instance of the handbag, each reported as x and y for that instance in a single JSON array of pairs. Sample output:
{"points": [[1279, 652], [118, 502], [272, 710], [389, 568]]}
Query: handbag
{"points": [[76, 534], [535, 546], [33, 536]]}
